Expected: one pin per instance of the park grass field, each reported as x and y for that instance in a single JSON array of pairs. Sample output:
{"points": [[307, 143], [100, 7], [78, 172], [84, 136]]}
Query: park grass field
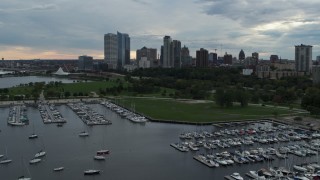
{"points": [[173, 110]]}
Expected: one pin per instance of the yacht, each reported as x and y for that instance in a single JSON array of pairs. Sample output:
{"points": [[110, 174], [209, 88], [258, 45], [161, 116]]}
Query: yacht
{"points": [[236, 176], [58, 169], [23, 178], [83, 134], [40, 154], [34, 161], [99, 158], [5, 161], [91, 172], [299, 168], [256, 175], [103, 152], [33, 136]]}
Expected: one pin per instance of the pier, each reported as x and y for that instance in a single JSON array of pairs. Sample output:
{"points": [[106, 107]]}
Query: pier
{"points": [[50, 114], [87, 115]]}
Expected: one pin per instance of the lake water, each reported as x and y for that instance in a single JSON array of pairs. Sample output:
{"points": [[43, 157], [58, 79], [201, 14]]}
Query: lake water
{"points": [[7, 82], [137, 151]]}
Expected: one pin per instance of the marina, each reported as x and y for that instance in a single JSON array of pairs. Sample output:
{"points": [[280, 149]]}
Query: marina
{"points": [[18, 116], [230, 148]]}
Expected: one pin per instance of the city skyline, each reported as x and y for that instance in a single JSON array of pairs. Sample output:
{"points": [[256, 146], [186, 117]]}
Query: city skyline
{"points": [[65, 30]]}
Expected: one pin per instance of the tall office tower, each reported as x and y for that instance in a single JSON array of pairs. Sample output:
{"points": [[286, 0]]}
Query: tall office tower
{"points": [[111, 50], [166, 56], [85, 63], [202, 58], [227, 58], [242, 56], [149, 53], [176, 54], [303, 58], [186, 59], [255, 57], [123, 49]]}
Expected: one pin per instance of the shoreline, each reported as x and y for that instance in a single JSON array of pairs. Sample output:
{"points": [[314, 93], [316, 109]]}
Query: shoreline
{"points": [[98, 100]]}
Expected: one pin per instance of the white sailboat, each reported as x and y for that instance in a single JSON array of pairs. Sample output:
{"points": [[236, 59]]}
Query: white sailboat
{"points": [[39, 154], [34, 161], [58, 169], [5, 160]]}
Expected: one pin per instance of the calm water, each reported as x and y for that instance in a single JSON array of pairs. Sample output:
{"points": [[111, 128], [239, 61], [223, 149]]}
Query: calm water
{"points": [[137, 151], [14, 81]]}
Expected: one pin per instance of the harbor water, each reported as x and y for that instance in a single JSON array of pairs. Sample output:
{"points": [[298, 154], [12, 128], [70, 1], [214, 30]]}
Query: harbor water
{"points": [[15, 81], [137, 151]]}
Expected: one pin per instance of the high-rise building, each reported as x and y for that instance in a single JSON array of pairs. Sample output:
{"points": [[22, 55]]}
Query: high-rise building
{"points": [[242, 56], [303, 58], [111, 50], [176, 53], [166, 56], [116, 50], [186, 59], [227, 59], [123, 49], [318, 60], [202, 57], [213, 58], [85, 63]]}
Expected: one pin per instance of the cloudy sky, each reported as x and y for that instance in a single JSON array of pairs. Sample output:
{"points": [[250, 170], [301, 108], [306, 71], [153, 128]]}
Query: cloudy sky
{"points": [[31, 29]]}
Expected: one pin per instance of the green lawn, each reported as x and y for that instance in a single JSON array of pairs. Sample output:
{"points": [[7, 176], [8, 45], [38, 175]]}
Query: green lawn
{"points": [[87, 87], [197, 112]]}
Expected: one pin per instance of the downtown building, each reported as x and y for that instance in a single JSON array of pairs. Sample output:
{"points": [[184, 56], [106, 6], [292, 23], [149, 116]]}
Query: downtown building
{"points": [[202, 58], [170, 53], [146, 57], [116, 50], [303, 58], [85, 63]]}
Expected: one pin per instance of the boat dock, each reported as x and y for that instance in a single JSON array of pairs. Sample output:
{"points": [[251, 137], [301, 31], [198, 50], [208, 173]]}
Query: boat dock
{"points": [[203, 160], [87, 115], [179, 148], [50, 114], [18, 116]]}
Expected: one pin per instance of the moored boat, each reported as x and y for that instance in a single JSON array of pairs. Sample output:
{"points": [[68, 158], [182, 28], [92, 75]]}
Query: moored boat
{"points": [[58, 169], [91, 172]]}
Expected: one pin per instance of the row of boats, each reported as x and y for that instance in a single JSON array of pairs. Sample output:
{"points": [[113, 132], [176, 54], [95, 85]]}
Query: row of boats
{"points": [[18, 116], [87, 115], [125, 113], [50, 114]]}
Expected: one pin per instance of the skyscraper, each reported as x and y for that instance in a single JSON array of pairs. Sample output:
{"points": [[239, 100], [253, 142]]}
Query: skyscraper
{"points": [[166, 56], [186, 59], [202, 57], [123, 49], [242, 56], [111, 50], [176, 54], [116, 50], [303, 58]]}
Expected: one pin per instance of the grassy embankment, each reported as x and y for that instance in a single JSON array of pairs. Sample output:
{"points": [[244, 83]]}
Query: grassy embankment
{"points": [[173, 110]]}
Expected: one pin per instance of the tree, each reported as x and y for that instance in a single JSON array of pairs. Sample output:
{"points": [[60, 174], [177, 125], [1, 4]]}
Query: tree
{"points": [[219, 97], [67, 94]]}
